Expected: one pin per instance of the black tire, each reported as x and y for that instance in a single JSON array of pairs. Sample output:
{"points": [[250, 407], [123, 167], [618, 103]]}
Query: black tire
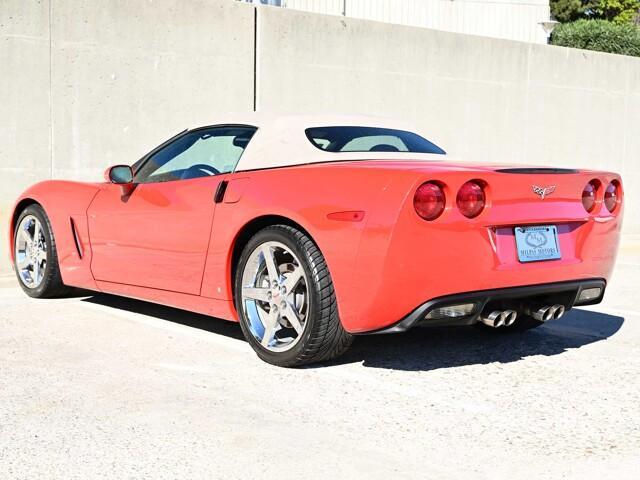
{"points": [[323, 337], [51, 285]]}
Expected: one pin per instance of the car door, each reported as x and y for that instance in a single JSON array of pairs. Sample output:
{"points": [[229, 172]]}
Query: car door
{"points": [[156, 233]]}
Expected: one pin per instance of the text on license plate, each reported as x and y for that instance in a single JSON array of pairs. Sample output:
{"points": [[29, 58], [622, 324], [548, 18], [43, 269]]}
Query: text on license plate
{"points": [[537, 243]]}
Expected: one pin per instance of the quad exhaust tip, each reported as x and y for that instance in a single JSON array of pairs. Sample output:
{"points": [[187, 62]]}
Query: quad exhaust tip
{"points": [[550, 312], [500, 318], [506, 318]]}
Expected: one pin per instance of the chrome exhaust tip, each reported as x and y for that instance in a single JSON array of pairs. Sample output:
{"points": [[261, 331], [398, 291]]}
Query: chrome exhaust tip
{"points": [[494, 319], [499, 318], [549, 312], [542, 314], [558, 311], [510, 317]]}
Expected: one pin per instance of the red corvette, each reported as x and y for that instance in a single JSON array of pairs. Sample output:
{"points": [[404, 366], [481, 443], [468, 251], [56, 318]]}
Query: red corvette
{"points": [[308, 230]]}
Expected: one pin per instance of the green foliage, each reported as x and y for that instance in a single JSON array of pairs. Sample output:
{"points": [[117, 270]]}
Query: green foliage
{"points": [[566, 10], [619, 11], [599, 35]]}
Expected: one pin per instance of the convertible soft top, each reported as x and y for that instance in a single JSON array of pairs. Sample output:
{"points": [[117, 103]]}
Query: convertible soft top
{"points": [[281, 141]]}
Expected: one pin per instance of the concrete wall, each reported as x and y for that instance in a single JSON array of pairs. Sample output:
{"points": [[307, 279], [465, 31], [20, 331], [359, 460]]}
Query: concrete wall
{"points": [[87, 84], [482, 99], [509, 19], [25, 133]]}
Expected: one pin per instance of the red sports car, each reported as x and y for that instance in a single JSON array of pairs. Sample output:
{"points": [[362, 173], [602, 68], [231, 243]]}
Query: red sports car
{"points": [[309, 230]]}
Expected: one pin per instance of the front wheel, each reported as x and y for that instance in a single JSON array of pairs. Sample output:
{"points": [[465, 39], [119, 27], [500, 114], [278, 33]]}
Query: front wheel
{"points": [[36, 259], [285, 299]]}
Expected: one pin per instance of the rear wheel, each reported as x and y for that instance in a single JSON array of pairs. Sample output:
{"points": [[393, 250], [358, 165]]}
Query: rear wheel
{"points": [[286, 301], [36, 259]]}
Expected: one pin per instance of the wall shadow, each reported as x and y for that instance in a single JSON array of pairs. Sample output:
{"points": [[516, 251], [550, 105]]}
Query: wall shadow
{"points": [[420, 349]]}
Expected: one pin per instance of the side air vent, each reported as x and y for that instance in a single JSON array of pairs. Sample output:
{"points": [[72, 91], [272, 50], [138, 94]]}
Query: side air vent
{"points": [[537, 170], [76, 238]]}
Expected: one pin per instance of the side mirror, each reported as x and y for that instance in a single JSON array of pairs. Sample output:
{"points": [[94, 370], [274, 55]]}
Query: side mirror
{"points": [[119, 174]]}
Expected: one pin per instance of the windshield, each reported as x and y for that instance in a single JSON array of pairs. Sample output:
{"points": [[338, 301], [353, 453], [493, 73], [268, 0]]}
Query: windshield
{"points": [[369, 139]]}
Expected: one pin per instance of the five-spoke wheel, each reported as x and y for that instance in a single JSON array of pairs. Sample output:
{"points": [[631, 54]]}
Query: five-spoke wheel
{"points": [[275, 296], [36, 261], [30, 251], [282, 284]]}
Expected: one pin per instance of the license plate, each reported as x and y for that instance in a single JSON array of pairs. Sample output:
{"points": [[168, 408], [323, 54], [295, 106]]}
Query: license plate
{"points": [[537, 243]]}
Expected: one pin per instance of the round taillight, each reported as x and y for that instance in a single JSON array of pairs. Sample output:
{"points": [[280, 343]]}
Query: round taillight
{"points": [[471, 199], [429, 201], [589, 195], [612, 195]]}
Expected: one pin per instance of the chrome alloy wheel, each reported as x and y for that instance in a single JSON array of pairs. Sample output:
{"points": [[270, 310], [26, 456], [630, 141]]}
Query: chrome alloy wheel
{"points": [[275, 296], [31, 251]]}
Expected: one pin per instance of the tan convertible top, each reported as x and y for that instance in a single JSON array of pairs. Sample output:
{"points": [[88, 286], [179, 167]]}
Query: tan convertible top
{"points": [[281, 141]]}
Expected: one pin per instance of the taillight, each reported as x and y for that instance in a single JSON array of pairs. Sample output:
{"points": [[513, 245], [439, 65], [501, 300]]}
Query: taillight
{"points": [[612, 195], [429, 201], [471, 199], [589, 195]]}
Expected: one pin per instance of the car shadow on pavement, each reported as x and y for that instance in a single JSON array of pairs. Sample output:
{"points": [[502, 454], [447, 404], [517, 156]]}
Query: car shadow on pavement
{"points": [[419, 349], [422, 349], [170, 314]]}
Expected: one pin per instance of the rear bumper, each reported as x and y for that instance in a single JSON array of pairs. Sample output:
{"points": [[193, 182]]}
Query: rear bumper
{"points": [[435, 261], [569, 291]]}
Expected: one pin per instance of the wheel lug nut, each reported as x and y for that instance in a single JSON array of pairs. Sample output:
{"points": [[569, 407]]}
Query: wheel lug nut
{"points": [[274, 284], [269, 295], [283, 305], [283, 290]]}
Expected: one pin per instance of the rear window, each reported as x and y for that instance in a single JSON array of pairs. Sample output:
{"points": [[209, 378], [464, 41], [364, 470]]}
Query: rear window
{"points": [[369, 139]]}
